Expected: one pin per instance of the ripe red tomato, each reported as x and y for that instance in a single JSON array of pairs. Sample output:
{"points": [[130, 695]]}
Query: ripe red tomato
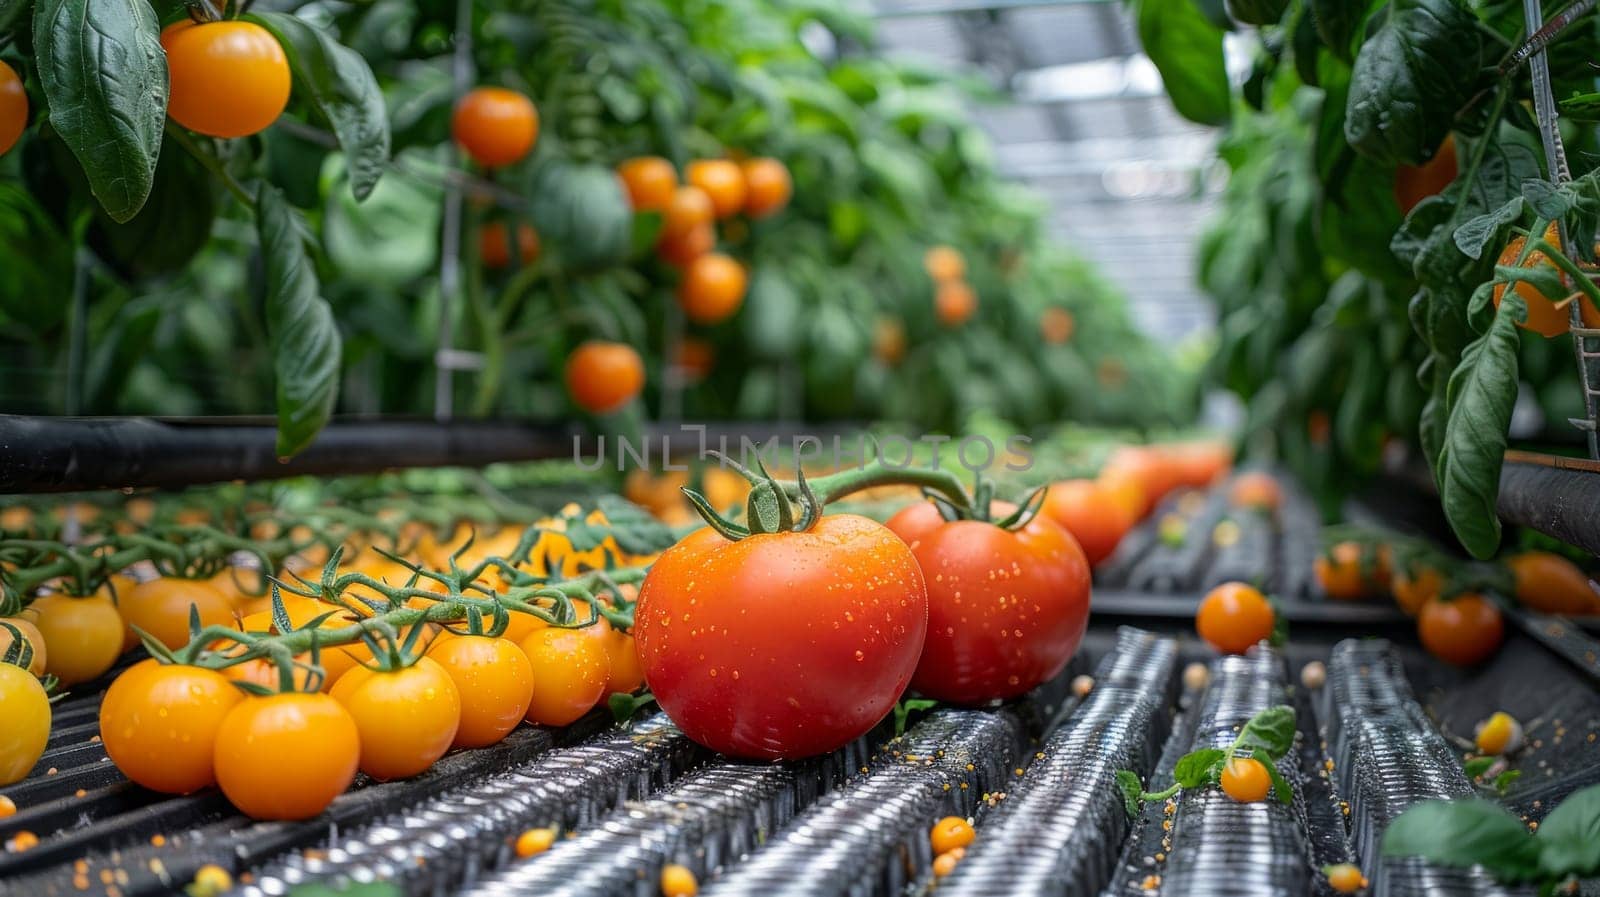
{"points": [[407, 718], [286, 756], [1006, 609], [495, 681], [495, 126], [1087, 510], [13, 111], [782, 645], [602, 376], [227, 79], [160, 722], [1463, 630]]}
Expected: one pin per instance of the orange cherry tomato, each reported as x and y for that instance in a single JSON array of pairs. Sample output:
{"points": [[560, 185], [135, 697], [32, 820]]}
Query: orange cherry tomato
{"points": [[159, 723], [689, 208], [650, 181], [160, 607], [407, 718], [1546, 317], [722, 180], [1245, 779], [954, 302], [1414, 183], [1233, 617], [768, 186], [1551, 584], [627, 671], [227, 79], [1464, 630], [1347, 571], [889, 341], [495, 682], [944, 264], [1415, 587], [712, 288], [495, 126], [1255, 491], [1345, 878], [336, 660], [678, 881], [25, 710], [950, 833], [1091, 514], [13, 120], [1056, 326], [570, 671], [286, 756], [1125, 491], [35, 638], [682, 249], [495, 250], [83, 635], [602, 377], [695, 358]]}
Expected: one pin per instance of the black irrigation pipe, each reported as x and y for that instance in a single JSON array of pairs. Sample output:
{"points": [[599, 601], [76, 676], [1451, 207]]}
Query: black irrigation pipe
{"points": [[1557, 496], [62, 454]]}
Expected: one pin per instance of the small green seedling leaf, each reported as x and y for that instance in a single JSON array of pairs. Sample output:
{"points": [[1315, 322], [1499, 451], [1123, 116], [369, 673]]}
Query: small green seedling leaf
{"points": [[1569, 838], [1132, 790], [904, 709], [1199, 767], [1477, 766], [1268, 735]]}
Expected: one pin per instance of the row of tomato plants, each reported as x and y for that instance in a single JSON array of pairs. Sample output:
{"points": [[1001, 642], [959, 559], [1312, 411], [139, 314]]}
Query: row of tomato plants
{"points": [[215, 120], [1386, 256]]}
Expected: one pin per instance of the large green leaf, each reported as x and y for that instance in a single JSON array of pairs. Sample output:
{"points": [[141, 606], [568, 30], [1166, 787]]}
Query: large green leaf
{"points": [[1338, 22], [1410, 78], [105, 77], [389, 240], [772, 315], [340, 85], [305, 340], [11, 12], [581, 214], [1187, 49], [1464, 833], [174, 224], [1569, 837], [1481, 393]]}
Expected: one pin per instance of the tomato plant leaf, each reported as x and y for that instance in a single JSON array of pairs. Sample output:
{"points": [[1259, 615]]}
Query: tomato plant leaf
{"points": [[1187, 50], [1488, 230], [1569, 837], [635, 529], [170, 229], [1410, 78], [1465, 833], [1477, 766], [1338, 22], [1480, 395], [11, 12], [340, 85], [1269, 733], [306, 350], [105, 77], [1256, 12], [1196, 768], [581, 213], [1132, 791], [1280, 786]]}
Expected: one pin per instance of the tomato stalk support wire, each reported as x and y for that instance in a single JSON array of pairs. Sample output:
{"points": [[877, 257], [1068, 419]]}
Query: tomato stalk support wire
{"points": [[1585, 340]]}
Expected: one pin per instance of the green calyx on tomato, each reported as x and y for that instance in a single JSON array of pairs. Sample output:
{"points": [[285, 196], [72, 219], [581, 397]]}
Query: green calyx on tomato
{"points": [[19, 653]]}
